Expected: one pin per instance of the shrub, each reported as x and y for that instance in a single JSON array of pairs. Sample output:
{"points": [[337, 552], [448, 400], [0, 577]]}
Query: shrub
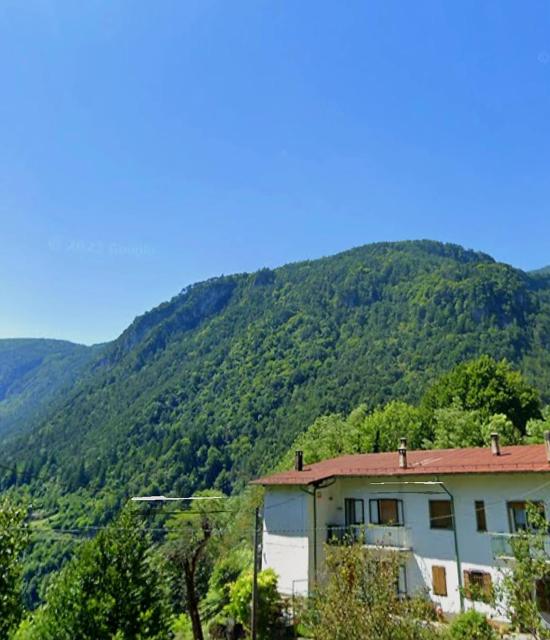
{"points": [[471, 625]]}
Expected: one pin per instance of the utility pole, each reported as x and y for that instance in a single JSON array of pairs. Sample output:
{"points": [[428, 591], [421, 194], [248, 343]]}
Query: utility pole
{"points": [[257, 559]]}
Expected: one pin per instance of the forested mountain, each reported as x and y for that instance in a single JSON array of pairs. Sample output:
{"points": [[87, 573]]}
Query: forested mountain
{"points": [[32, 373], [544, 272], [212, 386]]}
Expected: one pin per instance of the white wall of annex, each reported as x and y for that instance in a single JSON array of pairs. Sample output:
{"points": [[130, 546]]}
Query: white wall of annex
{"points": [[285, 537]]}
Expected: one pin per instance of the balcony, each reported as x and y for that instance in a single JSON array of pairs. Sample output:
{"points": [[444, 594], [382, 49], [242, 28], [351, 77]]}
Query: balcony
{"points": [[501, 546], [371, 536]]}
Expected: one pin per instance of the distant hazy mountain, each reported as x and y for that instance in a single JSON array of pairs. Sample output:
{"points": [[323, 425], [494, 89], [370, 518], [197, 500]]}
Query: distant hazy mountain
{"points": [[211, 387], [33, 373]]}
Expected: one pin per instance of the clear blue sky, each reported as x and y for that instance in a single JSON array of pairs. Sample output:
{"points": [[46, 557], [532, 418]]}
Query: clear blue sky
{"points": [[147, 145]]}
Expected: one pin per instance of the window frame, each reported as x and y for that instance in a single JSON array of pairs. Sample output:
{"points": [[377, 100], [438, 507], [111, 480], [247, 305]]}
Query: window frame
{"points": [[511, 506], [348, 501], [375, 512], [542, 595], [401, 582], [478, 585], [481, 516], [437, 518]]}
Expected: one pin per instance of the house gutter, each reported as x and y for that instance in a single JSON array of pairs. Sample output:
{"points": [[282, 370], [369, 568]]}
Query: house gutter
{"points": [[316, 486], [457, 553]]}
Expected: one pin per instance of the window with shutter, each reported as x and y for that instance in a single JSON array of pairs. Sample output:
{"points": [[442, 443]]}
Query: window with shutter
{"points": [[439, 581], [386, 512], [478, 585]]}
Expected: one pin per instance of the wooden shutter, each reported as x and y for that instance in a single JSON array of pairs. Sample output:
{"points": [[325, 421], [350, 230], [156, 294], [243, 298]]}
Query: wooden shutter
{"points": [[439, 581], [388, 512], [487, 585]]}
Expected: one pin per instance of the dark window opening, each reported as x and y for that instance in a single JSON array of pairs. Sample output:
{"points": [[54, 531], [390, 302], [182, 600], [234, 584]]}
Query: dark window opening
{"points": [[478, 585], [543, 595], [354, 511], [481, 518], [441, 514]]}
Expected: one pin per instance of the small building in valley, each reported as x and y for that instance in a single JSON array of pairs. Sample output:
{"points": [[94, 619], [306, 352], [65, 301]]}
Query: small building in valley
{"points": [[449, 514]]}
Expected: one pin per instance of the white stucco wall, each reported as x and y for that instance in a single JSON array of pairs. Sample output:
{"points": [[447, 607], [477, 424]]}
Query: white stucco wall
{"points": [[291, 555], [285, 544]]}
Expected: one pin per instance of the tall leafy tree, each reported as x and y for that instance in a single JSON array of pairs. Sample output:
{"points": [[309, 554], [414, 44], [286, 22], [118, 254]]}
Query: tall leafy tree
{"points": [[193, 538], [358, 599], [13, 540], [382, 429], [270, 614], [536, 428], [112, 588], [489, 387], [526, 582]]}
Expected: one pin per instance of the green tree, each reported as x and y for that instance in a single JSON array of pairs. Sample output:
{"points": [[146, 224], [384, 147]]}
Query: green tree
{"points": [[471, 625], [194, 535], [536, 428], [270, 607], [501, 424], [112, 588], [456, 427], [13, 540], [382, 429], [328, 437], [358, 599], [489, 387], [226, 571], [528, 576]]}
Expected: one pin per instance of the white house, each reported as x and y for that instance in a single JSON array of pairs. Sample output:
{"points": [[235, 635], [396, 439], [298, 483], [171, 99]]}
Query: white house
{"points": [[405, 501]]}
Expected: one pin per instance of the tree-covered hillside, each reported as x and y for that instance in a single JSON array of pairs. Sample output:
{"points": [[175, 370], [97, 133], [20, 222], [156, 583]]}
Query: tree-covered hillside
{"points": [[32, 373], [544, 271], [213, 386]]}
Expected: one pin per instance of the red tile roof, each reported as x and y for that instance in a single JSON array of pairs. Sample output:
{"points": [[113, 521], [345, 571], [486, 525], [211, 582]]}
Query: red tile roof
{"points": [[516, 459]]}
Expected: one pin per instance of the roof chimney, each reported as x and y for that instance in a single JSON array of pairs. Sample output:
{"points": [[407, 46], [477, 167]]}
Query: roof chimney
{"points": [[299, 461], [547, 444], [495, 444], [402, 453]]}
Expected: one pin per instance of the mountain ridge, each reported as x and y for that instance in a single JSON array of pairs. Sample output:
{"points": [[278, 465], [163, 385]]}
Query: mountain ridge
{"points": [[207, 388]]}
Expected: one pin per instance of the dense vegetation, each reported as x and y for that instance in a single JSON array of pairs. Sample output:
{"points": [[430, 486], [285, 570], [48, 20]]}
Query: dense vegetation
{"points": [[185, 572], [206, 389], [461, 409], [213, 386], [33, 373]]}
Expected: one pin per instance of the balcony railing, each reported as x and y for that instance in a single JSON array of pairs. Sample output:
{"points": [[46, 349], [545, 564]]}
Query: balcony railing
{"points": [[375, 536], [502, 548]]}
